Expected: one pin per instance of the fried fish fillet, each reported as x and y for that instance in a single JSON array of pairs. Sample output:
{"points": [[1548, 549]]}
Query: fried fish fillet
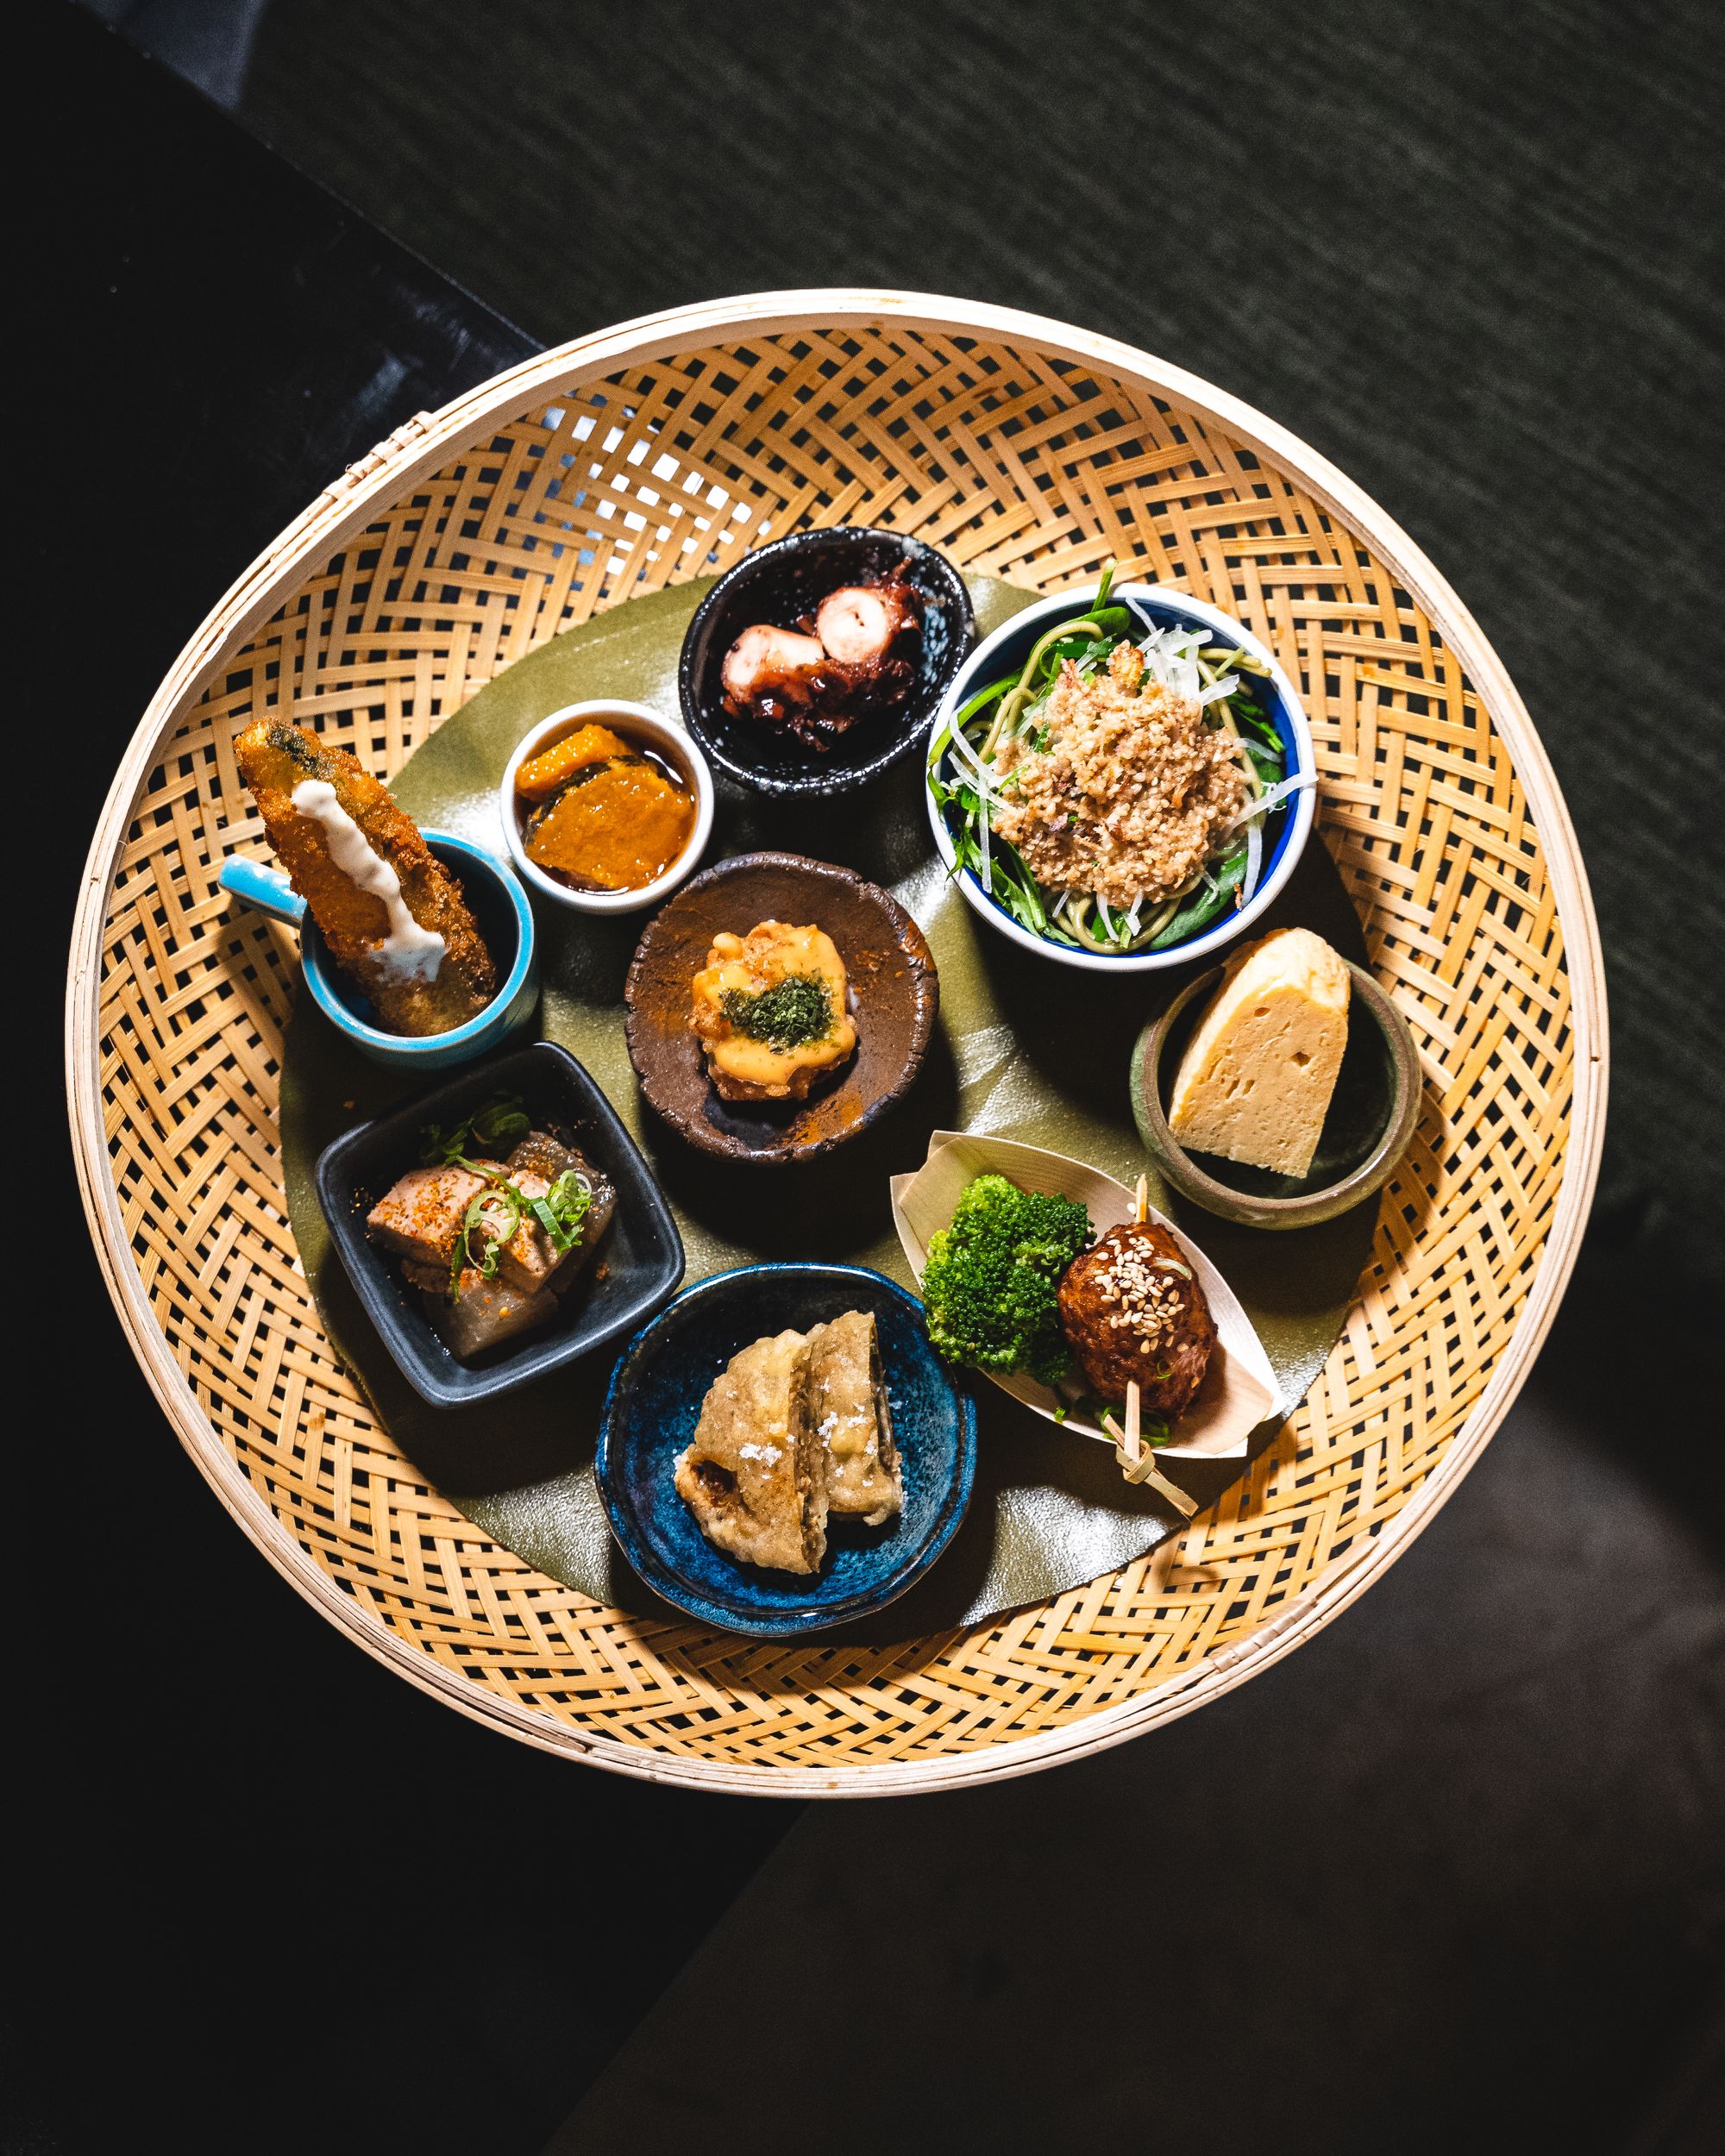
{"points": [[752, 1475], [408, 941]]}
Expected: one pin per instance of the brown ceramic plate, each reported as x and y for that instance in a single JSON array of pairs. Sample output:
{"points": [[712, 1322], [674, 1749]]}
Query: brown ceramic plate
{"points": [[895, 991]]}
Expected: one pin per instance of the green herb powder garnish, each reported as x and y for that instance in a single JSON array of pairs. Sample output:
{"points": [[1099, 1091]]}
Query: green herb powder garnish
{"points": [[797, 1010]]}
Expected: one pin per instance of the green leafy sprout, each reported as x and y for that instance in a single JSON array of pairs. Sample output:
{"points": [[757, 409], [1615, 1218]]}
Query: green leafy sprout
{"points": [[493, 1215], [502, 1120], [560, 1211]]}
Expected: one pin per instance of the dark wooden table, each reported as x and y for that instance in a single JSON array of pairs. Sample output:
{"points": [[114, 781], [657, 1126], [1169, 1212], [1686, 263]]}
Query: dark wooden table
{"points": [[1450, 1877]]}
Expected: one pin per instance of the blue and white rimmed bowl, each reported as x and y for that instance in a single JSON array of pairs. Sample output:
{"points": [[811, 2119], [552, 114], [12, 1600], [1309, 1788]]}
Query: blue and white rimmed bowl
{"points": [[1289, 825], [505, 920]]}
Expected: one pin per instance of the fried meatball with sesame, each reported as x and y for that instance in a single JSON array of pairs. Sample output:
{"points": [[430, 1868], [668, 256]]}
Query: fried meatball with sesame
{"points": [[1131, 1306]]}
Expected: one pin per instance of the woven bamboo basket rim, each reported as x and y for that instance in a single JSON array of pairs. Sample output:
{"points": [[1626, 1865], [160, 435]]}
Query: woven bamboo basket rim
{"points": [[407, 461]]}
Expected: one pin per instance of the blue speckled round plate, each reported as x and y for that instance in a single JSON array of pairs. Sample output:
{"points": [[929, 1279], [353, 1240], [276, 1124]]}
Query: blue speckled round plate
{"points": [[655, 1402]]}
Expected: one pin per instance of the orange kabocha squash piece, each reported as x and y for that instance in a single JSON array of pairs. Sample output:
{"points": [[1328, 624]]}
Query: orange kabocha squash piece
{"points": [[541, 775]]}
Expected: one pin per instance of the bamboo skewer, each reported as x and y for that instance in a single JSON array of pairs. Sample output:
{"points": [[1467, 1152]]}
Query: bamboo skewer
{"points": [[1143, 1469], [1137, 1459], [1133, 1393], [1134, 1397]]}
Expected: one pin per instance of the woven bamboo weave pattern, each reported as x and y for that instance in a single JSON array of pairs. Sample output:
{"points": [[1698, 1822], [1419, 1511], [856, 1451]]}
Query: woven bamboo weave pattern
{"points": [[1023, 465]]}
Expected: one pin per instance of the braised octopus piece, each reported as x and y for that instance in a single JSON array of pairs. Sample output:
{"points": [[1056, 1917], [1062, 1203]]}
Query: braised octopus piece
{"points": [[849, 658], [1131, 1306], [768, 665], [859, 624]]}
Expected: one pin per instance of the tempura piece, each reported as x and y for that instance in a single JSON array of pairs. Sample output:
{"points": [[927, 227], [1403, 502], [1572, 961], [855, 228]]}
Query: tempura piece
{"points": [[848, 1402], [753, 1475]]}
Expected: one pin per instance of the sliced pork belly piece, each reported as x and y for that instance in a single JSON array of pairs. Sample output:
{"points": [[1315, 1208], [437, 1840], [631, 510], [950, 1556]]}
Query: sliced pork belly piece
{"points": [[530, 1262], [529, 1259], [420, 1216], [419, 1221]]}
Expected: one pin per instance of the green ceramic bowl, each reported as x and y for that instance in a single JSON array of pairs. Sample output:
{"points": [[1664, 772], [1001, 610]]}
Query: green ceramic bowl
{"points": [[1370, 1125]]}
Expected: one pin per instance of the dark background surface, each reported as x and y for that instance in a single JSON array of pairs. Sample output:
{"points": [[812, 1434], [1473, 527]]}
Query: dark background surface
{"points": [[1452, 1874]]}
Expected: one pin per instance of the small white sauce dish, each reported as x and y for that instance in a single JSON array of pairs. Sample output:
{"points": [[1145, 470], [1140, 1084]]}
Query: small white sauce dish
{"points": [[663, 739]]}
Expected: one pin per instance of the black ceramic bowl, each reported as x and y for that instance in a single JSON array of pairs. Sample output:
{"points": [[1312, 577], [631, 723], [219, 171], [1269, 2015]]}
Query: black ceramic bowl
{"points": [[779, 584], [637, 1270]]}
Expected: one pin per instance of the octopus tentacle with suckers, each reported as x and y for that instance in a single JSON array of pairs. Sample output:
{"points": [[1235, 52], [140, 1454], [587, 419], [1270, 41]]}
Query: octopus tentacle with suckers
{"points": [[855, 654]]}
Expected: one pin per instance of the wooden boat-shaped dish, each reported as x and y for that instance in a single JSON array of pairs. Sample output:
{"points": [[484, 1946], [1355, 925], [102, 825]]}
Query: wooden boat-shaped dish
{"points": [[1238, 1392]]}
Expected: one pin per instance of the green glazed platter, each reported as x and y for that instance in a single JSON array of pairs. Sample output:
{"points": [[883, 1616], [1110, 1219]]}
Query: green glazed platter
{"points": [[1025, 1048]]}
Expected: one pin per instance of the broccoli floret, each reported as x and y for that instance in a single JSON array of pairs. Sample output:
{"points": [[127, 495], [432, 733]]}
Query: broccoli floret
{"points": [[989, 1286]]}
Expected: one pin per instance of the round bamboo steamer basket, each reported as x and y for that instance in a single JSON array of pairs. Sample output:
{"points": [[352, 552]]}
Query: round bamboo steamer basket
{"points": [[661, 450]]}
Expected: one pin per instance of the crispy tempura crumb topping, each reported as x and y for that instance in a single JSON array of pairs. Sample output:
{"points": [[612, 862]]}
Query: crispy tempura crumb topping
{"points": [[1119, 789]]}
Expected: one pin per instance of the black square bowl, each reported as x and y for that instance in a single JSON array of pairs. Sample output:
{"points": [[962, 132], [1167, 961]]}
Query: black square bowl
{"points": [[641, 1254]]}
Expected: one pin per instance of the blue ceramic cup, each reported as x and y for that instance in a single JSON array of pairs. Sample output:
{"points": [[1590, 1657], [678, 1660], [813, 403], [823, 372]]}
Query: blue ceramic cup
{"points": [[505, 920]]}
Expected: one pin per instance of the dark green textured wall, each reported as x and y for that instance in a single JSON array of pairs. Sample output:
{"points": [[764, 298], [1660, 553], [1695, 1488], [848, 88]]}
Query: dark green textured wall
{"points": [[1461, 248]]}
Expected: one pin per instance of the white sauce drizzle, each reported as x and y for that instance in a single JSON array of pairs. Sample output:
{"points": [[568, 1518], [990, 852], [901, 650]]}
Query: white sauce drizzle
{"points": [[412, 952]]}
